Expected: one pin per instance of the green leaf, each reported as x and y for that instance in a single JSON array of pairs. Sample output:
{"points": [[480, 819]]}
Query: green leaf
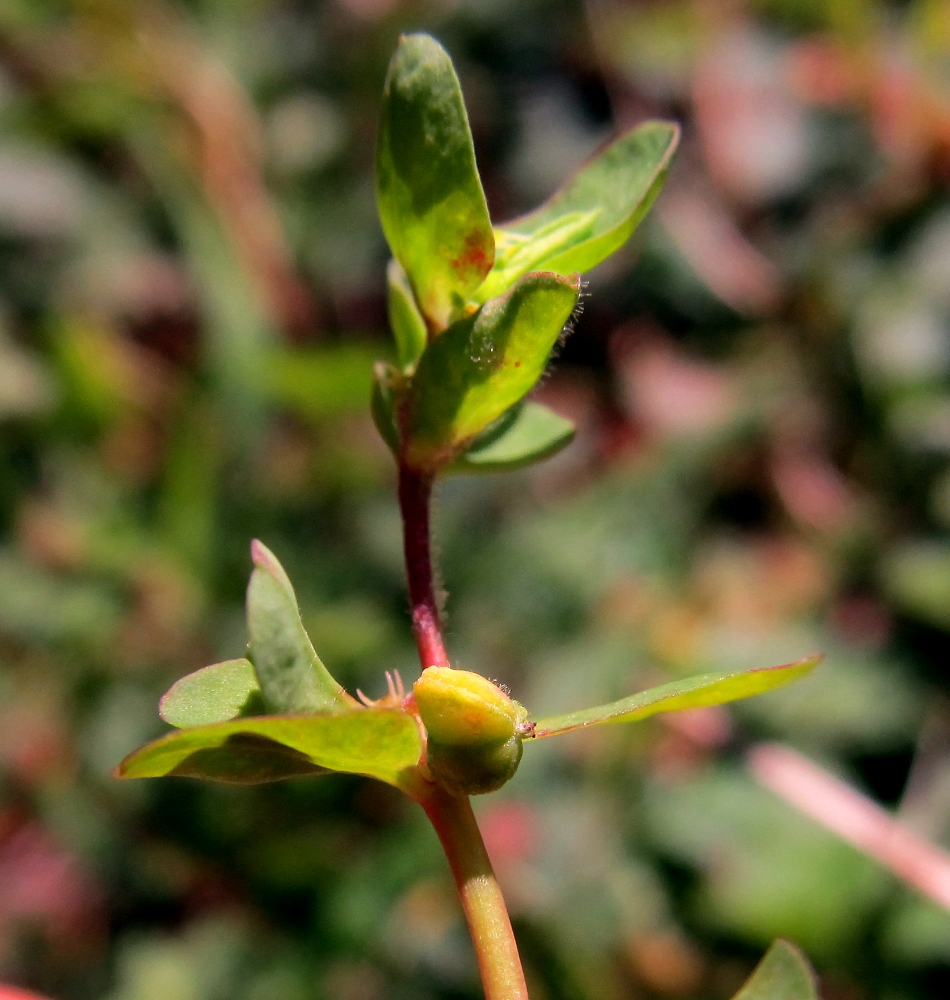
{"points": [[783, 974], [408, 326], [429, 195], [694, 692], [217, 693], [589, 218], [320, 383], [291, 675], [534, 433], [378, 742], [387, 385], [484, 364]]}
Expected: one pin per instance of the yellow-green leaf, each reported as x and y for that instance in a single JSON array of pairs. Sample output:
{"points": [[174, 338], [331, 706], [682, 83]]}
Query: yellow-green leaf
{"points": [[694, 692], [484, 364], [591, 216], [380, 743], [533, 434], [783, 974], [217, 693], [292, 677]]}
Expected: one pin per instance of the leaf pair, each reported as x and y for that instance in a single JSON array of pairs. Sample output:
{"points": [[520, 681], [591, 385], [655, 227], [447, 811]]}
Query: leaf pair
{"points": [[280, 714], [468, 367]]}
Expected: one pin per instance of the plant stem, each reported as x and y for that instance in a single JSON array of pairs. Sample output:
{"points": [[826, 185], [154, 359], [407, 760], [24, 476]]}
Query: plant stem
{"points": [[452, 816], [415, 495], [484, 905]]}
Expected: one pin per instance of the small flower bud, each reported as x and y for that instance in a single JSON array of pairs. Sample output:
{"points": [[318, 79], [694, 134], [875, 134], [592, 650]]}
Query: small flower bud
{"points": [[473, 728], [463, 708]]}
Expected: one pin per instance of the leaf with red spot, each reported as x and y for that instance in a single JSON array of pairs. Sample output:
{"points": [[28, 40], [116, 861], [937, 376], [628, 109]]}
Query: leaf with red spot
{"points": [[430, 198]]}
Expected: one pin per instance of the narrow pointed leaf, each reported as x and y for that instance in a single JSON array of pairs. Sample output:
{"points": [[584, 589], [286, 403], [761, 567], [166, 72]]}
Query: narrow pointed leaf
{"points": [[429, 195], [380, 743], [217, 693], [783, 974], [408, 326], [694, 692], [484, 364], [291, 675], [589, 218], [534, 434], [384, 402]]}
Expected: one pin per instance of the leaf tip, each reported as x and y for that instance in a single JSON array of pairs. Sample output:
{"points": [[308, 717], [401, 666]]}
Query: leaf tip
{"points": [[261, 555]]}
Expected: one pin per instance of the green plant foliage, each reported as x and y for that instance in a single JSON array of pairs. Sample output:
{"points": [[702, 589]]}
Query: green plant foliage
{"points": [[484, 364], [694, 692], [291, 675], [388, 384], [405, 320], [377, 742], [217, 693], [430, 198], [589, 218], [321, 383], [533, 433], [783, 974]]}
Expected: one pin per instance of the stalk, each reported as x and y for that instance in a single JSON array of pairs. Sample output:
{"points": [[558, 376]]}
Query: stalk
{"points": [[482, 901], [415, 496], [452, 816]]}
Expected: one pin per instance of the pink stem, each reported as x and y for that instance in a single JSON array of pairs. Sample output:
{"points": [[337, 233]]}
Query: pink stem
{"points": [[854, 818], [415, 495]]}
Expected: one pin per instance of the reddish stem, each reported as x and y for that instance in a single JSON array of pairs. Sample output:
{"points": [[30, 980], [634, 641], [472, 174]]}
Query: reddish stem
{"points": [[415, 495]]}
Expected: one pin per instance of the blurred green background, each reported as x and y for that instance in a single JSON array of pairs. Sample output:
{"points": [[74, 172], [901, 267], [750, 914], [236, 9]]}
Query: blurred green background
{"points": [[191, 298]]}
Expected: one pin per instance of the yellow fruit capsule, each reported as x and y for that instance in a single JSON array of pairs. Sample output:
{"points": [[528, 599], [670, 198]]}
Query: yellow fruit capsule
{"points": [[473, 730], [462, 708]]}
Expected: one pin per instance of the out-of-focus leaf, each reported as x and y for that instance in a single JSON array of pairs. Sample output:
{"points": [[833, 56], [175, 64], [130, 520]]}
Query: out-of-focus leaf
{"points": [[484, 364], [380, 743], [218, 693], [291, 675], [408, 326], [535, 433], [321, 382], [430, 198], [694, 692], [590, 217], [26, 387], [917, 575], [190, 487], [783, 974], [766, 871]]}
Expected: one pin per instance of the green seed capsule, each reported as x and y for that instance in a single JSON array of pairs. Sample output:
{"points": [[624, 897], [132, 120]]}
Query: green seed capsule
{"points": [[474, 770], [473, 727]]}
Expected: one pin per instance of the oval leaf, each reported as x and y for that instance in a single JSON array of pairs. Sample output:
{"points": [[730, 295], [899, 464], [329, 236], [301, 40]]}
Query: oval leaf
{"points": [[589, 218], [380, 743], [429, 195], [483, 365], [694, 692], [217, 693], [291, 675], [535, 433], [783, 974]]}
